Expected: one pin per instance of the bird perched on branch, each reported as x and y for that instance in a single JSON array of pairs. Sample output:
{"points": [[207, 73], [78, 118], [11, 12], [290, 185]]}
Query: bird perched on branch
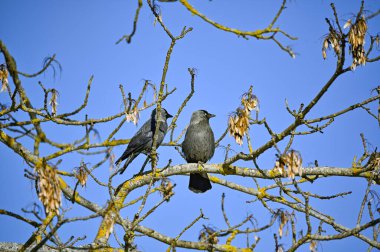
{"points": [[199, 147], [142, 141]]}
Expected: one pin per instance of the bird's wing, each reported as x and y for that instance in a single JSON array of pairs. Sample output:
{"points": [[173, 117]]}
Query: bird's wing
{"points": [[138, 142]]}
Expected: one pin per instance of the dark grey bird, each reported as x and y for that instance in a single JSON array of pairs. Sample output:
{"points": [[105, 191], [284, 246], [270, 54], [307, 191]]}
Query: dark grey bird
{"points": [[199, 147], [142, 141]]}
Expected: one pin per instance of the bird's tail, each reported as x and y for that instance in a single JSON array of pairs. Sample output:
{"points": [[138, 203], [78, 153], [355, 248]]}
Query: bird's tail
{"points": [[129, 160], [125, 155], [199, 182], [118, 161]]}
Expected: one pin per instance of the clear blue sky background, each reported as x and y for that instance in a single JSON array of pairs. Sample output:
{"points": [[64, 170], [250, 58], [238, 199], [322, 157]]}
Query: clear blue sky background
{"points": [[83, 35]]}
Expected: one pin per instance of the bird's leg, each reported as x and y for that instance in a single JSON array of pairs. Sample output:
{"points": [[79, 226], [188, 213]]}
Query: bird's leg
{"points": [[200, 166], [148, 158], [143, 166], [122, 169]]}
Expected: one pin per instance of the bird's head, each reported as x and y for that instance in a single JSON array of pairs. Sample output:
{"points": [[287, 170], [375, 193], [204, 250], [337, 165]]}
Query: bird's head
{"points": [[164, 114], [201, 115]]}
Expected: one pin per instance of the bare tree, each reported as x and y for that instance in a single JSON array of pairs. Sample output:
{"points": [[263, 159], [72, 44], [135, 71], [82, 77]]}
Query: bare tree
{"points": [[286, 197]]}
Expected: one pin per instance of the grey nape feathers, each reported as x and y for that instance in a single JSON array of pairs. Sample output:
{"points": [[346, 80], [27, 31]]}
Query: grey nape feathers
{"points": [[142, 141], [199, 147]]}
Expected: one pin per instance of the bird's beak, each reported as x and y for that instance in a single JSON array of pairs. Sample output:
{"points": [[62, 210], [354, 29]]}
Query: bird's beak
{"points": [[210, 116], [168, 115]]}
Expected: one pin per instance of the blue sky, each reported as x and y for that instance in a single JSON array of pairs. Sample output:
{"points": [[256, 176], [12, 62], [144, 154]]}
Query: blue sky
{"points": [[83, 34]]}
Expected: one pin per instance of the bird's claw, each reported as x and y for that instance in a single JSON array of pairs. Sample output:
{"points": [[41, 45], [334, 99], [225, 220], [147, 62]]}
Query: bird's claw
{"points": [[200, 166]]}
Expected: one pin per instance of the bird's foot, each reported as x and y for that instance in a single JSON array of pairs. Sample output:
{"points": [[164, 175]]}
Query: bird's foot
{"points": [[200, 166]]}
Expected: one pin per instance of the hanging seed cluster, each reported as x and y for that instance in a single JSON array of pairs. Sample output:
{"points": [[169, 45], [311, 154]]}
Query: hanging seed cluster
{"points": [[166, 188], [49, 190], [331, 41], [238, 125], [292, 161], [3, 77], [54, 101], [133, 116], [283, 219], [356, 38], [238, 122], [81, 174]]}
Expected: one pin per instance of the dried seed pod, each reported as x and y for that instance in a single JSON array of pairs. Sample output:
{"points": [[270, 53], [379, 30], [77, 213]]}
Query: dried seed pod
{"points": [[250, 101], [356, 38], [325, 47], [313, 246], [166, 188], [54, 101], [292, 160], [324, 55], [332, 40], [284, 218], [238, 125], [279, 167], [347, 24], [133, 116], [3, 77], [238, 122], [81, 174]]}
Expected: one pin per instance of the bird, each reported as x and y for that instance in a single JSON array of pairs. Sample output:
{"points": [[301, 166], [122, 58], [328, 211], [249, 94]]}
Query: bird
{"points": [[142, 141], [199, 147]]}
